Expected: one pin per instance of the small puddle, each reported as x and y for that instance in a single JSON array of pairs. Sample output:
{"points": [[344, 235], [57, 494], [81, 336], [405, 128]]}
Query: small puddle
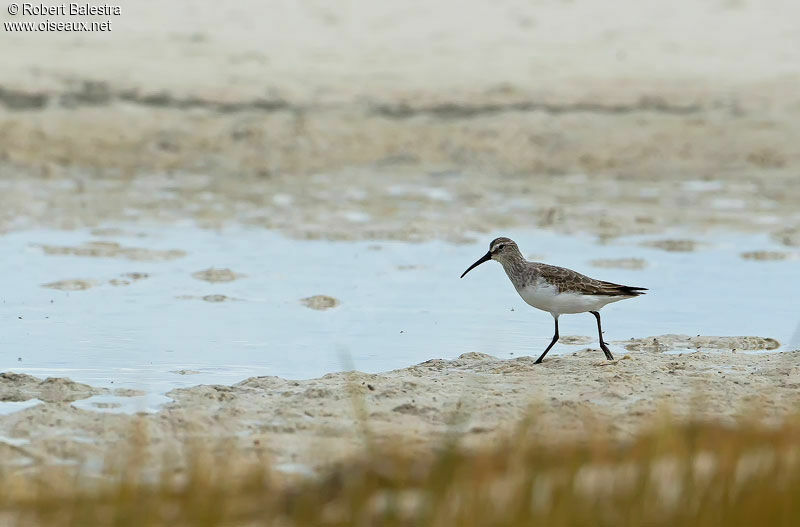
{"points": [[7, 407], [300, 309]]}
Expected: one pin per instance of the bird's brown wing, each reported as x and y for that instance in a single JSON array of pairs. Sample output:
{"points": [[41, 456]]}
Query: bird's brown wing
{"points": [[569, 281]]}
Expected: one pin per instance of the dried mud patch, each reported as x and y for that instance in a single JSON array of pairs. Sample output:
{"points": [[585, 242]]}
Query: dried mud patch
{"points": [[21, 387], [135, 276], [112, 232], [766, 255], [214, 299], [217, 275], [674, 245], [17, 387], [681, 342], [74, 284], [575, 340], [620, 263], [411, 267], [102, 249], [320, 302], [128, 279], [789, 236]]}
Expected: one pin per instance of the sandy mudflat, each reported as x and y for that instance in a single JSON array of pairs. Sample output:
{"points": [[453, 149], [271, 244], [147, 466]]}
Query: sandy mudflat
{"points": [[382, 122], [479, 397], [414, 121]]}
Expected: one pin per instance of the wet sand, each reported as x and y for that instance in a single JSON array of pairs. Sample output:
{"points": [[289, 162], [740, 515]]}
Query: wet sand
{"points": [[407, 124], [307, 425]]}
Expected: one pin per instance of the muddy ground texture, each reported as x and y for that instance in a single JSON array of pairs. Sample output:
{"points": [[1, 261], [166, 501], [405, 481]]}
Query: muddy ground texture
{"points": [[354, 173], [390, 122], [304, 426]]}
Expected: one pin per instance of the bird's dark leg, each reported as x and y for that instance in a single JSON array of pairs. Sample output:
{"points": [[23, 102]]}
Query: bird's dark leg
{"points": [[603, 345], [552, 342]]}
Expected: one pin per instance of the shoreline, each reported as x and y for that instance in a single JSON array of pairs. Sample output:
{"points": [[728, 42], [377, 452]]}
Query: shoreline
{"points": [[318, 422]]}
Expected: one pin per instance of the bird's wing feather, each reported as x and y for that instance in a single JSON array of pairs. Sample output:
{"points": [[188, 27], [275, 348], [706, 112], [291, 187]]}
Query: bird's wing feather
{"points": [[569, 281]]}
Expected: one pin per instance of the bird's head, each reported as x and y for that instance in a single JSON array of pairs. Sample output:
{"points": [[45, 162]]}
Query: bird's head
{"points": [[501, 249]]}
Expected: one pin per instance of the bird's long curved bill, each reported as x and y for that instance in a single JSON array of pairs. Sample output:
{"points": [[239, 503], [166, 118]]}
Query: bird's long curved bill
{"points": [[485, 258]]}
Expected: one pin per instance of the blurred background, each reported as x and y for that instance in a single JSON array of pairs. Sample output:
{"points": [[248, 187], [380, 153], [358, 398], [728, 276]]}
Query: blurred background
{"points": [[413, 120]]}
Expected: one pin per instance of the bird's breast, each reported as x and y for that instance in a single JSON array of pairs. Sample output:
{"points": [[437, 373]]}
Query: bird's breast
{"points": [[545, 296], [540, 295]]}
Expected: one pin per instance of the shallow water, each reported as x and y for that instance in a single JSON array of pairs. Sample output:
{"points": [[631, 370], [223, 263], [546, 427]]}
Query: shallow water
{"points": [[400, 304]]}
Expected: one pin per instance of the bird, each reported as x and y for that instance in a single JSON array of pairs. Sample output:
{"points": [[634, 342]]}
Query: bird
{"points": [[557, 290]]}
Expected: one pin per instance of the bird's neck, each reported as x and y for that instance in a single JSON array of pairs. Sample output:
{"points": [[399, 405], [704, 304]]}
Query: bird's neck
{"points": [[514, 265]]}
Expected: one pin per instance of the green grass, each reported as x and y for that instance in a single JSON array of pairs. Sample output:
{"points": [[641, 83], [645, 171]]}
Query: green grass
{"points": [[676, 474]]}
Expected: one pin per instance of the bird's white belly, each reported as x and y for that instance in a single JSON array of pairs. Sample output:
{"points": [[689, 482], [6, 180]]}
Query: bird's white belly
{"points": [[547, 298]]}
